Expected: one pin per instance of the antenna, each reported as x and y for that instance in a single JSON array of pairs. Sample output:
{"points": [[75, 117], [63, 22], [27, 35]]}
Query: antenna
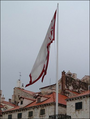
{"points": [[20, 75]]}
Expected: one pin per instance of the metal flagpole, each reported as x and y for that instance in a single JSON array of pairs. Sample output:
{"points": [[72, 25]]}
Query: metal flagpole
{"points": [[57, 62]]}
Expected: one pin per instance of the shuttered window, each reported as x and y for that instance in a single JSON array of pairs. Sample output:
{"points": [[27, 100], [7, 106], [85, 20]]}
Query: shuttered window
{"points": [[78, 105], [19, 116], [10, 116], [42, 111], [30, 114]]}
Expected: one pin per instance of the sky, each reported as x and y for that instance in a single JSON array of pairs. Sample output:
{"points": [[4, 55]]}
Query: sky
{"points": [[23, 28]]}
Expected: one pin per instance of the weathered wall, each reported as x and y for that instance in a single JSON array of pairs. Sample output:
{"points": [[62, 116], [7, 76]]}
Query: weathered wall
{"points": [[61, 110], [25, 102], [51, 88], [18, 92], [86, 79], [75, 85], [48, 89], [6, 107], [49, 110], [81, 113]]}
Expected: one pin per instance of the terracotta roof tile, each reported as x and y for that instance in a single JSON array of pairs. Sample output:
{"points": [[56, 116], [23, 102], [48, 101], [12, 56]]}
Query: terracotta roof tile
{"points": [[47, 86], [27, 98], [8, 103], [50, 99], [73, 92], [80, 95], [15, 108], [26, 91], [0, 112], [1, 106]]}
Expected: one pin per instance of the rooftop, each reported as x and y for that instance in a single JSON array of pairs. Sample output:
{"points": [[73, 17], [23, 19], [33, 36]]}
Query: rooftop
{"points": [[8, 103], [51, 98], [26, 91], [85, 93]]}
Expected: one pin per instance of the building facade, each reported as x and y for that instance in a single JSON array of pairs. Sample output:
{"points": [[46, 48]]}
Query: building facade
{"points": [[79, 106], [41, 107], [28, 104]]}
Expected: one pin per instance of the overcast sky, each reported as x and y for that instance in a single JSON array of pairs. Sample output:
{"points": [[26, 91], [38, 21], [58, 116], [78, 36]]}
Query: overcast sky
{"points": [[23, 28]]}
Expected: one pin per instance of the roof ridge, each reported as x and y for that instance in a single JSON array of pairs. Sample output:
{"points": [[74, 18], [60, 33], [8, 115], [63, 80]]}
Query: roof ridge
{"points": [[81, 94], [6, 102], [27, 91], [27, 98]]}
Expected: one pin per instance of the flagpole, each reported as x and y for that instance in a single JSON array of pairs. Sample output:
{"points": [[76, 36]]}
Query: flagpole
{"points": [[57, 61]]}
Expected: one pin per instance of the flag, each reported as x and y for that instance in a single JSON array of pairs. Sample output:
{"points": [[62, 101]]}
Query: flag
{"points": [[39, 69]]}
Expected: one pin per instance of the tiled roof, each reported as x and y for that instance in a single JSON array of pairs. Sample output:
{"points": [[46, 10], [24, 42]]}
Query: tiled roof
{"points": [[47, 86], [27, 98], [80, 95], [15, 108], [8, 103], [1, 106], [73, 92], [37, 92], [0, 112], [26, 91], [51, 98]]}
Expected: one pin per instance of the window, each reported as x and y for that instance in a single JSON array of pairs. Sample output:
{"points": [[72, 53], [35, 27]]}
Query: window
{"points": [[42, 111], [38, 99], [10, 116], [30, 114], [21, 102], [19, 115], [78, 105], [89, 87]]}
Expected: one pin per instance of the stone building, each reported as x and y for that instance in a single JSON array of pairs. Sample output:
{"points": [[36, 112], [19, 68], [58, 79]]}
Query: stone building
{"points": [[71, 82], [41, 107], [5, 105], [20, 91], [79, 106], [42, 104], [68, 85], [86, 79], [1, 106]]}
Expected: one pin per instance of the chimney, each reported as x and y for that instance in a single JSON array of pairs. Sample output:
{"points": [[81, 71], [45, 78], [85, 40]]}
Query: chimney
{"points": [[22, 86], [63, 82], [10, 100]]}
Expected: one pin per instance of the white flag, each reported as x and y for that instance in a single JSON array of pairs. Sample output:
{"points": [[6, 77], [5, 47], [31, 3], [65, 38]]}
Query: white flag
{"points": [[40, 67]]}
